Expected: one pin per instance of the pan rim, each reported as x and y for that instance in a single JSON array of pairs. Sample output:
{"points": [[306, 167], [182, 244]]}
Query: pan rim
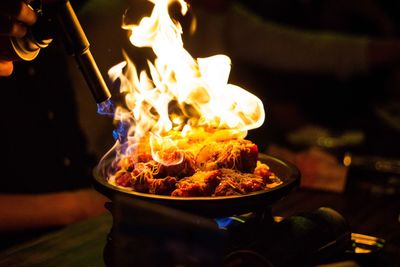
{"points": [[292, 181]]}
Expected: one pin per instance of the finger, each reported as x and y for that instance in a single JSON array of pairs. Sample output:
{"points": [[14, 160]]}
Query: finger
{"points": [[6, 68], [11, 27], [26, 14]]}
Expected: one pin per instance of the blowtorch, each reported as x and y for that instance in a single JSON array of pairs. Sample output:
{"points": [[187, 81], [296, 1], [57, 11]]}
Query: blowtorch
{"points": [[57, 18]]}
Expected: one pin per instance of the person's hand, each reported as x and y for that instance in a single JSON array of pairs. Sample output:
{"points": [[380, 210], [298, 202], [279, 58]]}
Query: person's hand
{"points": [[15, 17]]}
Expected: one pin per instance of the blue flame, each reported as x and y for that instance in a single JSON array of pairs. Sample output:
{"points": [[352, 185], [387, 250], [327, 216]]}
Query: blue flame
{"points": [[225, 223], [121, 132], [106, 108]]}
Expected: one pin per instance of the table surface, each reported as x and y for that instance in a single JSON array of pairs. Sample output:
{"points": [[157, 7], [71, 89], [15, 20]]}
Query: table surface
{"points": [[82, 244], [77, 245]]}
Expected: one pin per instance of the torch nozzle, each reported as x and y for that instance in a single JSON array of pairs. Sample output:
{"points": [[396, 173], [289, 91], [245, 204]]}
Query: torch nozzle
{"points": [[93, 77], [74, 38]]}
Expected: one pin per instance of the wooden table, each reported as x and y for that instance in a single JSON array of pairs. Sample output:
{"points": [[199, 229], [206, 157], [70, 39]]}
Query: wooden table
{"points": [[77, 245], [82, 244]]}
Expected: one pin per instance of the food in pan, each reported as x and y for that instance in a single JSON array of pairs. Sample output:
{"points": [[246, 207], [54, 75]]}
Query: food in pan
{"points": [[181, 131], [208, 168]]}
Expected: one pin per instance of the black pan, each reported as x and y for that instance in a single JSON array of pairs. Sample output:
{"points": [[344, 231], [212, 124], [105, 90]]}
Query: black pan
{"points": [[215, 206]]}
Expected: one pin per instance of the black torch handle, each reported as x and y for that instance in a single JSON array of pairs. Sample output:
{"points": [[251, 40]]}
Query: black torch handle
{"points": [[76, 43]]}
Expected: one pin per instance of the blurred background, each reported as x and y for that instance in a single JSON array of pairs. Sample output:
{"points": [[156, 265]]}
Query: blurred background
{"points": [[327, 71]]}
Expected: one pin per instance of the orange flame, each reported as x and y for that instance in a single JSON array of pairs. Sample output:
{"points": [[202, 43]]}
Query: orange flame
{"points": [[182, 94]]}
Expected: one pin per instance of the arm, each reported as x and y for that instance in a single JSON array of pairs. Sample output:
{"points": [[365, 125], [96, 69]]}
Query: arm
{"points": [[24, 212]]}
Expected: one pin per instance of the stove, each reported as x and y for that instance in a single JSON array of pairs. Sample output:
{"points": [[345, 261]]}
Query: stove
{"points": [[155, 230], [148, 234]]}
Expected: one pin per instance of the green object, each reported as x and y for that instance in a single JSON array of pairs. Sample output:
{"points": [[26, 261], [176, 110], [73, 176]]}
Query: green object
{"points": [[76, 245]]}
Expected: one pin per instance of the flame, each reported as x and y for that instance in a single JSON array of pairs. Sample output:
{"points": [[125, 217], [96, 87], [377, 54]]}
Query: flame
{"points": [[182, 96]]}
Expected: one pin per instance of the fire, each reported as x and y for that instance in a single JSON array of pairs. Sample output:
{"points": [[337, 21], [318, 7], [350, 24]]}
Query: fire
{"points": [[182, 97]]}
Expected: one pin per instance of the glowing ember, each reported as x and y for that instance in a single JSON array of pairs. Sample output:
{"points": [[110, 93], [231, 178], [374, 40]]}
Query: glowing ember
{"points": [[181, 99]]}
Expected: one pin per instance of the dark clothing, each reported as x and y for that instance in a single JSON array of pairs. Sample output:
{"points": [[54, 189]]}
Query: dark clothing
{"points": [[43, 147]]}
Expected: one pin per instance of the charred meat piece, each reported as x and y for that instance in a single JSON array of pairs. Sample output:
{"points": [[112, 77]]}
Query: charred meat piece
{"points": [[234, 183], [184, 169], [264, 171], [143, 180], [142, 173], [163, 186], [241, 155], [127, 163], [228, 187], [208, 168], [198, 185], [123, 178]]}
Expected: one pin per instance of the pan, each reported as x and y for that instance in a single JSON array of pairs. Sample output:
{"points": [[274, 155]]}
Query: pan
{"points": [[214, 207]]}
